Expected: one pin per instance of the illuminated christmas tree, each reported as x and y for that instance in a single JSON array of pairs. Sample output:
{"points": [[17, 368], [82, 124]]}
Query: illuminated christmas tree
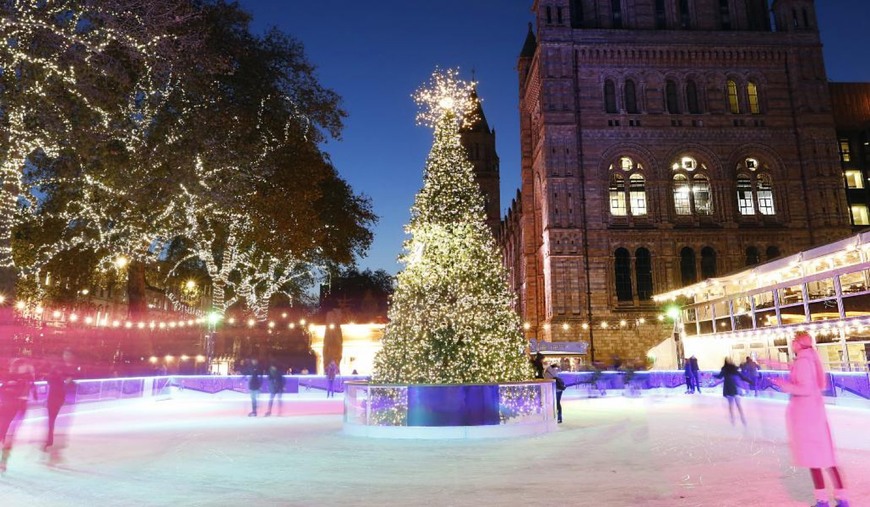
{"points": [[450, 318]]}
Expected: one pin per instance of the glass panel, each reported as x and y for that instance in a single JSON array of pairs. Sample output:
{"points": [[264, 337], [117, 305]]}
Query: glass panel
{"points": [[701, 191], [637, 195], [790, 295], [765, 319], [521, 403], [681, 195], [824, 310], [765, 196], [792, 314], [860, 215], [854, 179], [752, 94], [745, 200], [853, 282], [617, 196], [820, 289], [763, 300], [630, 97], [845, 150], [733, 101]]}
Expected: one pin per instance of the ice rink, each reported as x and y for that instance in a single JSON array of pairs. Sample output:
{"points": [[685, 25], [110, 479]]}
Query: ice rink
{"points": [[203, 450]]}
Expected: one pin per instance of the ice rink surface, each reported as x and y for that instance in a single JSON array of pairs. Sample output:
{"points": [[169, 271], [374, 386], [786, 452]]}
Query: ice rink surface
{"points": [[199, 450]]}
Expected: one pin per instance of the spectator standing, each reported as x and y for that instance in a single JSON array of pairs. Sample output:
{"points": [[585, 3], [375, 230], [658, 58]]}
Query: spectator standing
{"points": [[538, 365], [696, 374], [331, 372], [552, 373], [690, 377], [276, 388], [809, 434]]}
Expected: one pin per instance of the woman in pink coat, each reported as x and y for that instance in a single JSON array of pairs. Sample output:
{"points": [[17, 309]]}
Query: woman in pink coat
{"points": [[809, 434]]}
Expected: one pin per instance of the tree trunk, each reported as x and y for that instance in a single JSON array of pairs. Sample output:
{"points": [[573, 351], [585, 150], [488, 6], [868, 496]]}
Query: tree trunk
{"points": [[137, 302]]}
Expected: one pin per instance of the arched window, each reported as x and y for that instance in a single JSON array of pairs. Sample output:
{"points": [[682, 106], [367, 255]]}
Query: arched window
{"points": [[684, 15], [671, 97], [708, 263], [765, 195], [549, 15], [623, 275], [733, 99], [643, 274], [773, 252], [752, 256], [745, 200], [637, 194], [692, 101], [618, 207], [725, 14], [616, 9], [701, 194], [682, 202], [688, 274], [630, 97], [752, 95], [609, 96], [661, 18]]}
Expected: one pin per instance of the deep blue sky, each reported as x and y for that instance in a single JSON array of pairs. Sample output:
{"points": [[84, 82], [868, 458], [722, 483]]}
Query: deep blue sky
{"points": [[376, 53]]}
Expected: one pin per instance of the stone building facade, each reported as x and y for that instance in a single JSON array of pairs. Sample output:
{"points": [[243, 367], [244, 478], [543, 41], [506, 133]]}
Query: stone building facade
{"points": [[479, 142], [664, 142], [851, 103]]}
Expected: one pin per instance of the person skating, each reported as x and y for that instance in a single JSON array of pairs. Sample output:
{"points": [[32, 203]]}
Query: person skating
{"points": [[60, 382], [15, 387], [729, 375], [552, 373], [749, 369], [690, 377], [331, 372], [276, 388], [255, 382], [696, 374], [809, 433]]}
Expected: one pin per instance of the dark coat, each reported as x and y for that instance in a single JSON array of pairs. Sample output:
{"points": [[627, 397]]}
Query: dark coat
{"points": [[255, 381], [276, 382], [729, 373]]}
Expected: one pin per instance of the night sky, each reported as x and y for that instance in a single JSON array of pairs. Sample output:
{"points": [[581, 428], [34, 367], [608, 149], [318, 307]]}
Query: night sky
{"points": [[376, 53]]}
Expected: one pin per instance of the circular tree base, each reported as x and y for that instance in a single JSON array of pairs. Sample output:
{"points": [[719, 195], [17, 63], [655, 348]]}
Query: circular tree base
{"points": [[452, 411]]}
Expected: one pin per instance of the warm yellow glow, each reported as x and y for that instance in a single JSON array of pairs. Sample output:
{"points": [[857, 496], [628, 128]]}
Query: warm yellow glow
{"points": [[584, 325], [39, 309], [565, 326], [251, 322], [190, 285], [527, 326], [128, 324], [73, 317], [152, 359], [85, 292], [88, 320], [623, 323], [271, 325], [231, 320], [121, 262], [641, 320], [291, 326], [301, 322], [56, 314], [169, 358], [446, 103], [604, 325], [184, 357], [141, 325], [283, 315], [332, 326], [115, 323], [200, 359], [20, 305]]}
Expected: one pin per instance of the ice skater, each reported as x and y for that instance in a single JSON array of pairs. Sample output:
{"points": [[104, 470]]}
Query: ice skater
{"points": [[60, 382], [276, 388], [749, 369], [729, 375], [809, 434], [690, 377], [331, 372], [255, 382], [15, 388], [696, 374]]}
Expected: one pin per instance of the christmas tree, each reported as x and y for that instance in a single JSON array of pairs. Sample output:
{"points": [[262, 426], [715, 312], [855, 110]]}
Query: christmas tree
{"points": [[450, 318]]}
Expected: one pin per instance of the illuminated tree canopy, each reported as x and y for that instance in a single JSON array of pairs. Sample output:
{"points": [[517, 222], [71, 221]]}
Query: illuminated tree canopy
{"points": [[451, 319]]}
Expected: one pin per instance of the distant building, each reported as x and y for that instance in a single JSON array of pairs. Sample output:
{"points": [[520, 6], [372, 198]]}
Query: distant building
{"points": [[664, 142], [479, 141], [851, 103]]}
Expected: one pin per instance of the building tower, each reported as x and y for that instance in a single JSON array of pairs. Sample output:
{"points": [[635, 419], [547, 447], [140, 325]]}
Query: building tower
{"points": [[664, 142], [479, 141]]}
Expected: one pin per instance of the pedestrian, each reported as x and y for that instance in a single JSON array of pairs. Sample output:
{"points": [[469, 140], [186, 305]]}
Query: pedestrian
{"points": [[331, 372], [690, 377], [538, 365], [809, 434], [60, 383], [696, 374], [276, 388], [749, 369], [729, 375], [552, 373], [15, 387], [255, 382]]}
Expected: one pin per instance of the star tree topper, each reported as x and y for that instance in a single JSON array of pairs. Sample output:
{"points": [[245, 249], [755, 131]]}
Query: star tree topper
{"points": [[446, 94]]}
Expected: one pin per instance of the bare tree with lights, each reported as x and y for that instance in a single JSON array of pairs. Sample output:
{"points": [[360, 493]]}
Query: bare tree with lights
{"points": [[450, 318]]}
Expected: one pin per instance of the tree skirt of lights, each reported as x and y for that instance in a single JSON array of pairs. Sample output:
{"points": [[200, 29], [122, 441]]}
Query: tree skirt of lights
{"points": [[445, 411]]}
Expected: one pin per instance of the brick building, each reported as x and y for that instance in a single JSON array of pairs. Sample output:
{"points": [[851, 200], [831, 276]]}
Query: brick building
{"points": [[664, 142], [851, 103]]}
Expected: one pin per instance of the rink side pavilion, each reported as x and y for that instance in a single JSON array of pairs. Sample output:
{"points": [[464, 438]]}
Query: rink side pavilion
{"points": [[823, 290]]}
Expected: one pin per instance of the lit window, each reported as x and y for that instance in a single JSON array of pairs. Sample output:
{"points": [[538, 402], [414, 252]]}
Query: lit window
{"points": [[733, 100], [687, 163], [626, 164], [637, 194], [765, 195], [845, 150], [617, 196], [854, 179], [745, 201], [751, 164], [860, 215], [752, 94], [682, 204], [701, 191]]}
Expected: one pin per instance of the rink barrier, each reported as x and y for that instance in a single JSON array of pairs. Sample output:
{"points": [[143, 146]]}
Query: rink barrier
{"points": [[439, 411], [852, 385]]}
